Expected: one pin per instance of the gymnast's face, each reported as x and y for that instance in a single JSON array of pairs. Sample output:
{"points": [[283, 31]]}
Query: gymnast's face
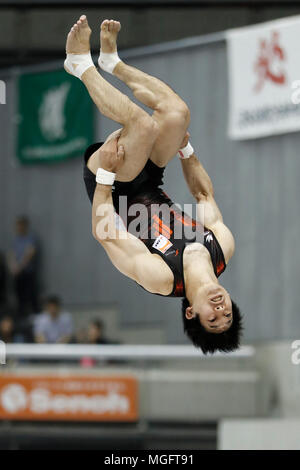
{"points": [[213, 307]]}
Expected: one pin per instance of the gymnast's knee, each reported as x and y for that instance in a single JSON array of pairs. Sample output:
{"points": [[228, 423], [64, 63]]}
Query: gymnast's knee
{"points": [[178, 115], [146, 127]]}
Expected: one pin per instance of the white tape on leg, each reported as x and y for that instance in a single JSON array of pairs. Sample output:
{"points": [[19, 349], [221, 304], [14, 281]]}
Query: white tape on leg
{"points": [[77, 64], [108, 61]]}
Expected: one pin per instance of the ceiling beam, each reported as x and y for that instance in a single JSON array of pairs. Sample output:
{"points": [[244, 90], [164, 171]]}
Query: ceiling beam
{"points": [[141, 4]]}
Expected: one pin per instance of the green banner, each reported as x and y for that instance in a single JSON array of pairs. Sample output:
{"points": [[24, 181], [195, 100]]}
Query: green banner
{"points": [[56, 117]]}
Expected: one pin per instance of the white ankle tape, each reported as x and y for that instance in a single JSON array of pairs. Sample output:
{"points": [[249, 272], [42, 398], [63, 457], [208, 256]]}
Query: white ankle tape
{"points": [[186, 152], [108, 61], [77, 64], [105, 177]]}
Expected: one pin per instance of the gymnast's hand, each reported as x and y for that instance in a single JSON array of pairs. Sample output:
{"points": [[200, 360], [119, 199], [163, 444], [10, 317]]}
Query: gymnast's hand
{"points": [[185, 140], [111, 155]]}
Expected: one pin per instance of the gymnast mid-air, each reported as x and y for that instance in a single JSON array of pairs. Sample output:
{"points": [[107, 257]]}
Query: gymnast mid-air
{"points": [[166, 251]]}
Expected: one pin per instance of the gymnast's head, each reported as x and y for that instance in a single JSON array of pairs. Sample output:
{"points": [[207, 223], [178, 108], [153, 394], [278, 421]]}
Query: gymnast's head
{"points": [[213, 321]]}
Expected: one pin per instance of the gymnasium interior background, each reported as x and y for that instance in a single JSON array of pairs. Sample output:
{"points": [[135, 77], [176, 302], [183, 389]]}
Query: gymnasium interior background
{"points": [[248, 400]]}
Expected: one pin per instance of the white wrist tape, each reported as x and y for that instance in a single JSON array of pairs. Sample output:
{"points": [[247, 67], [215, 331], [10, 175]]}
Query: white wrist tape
{"points": [[108, 61], [77, 64], [186, 152], [105, 177]]}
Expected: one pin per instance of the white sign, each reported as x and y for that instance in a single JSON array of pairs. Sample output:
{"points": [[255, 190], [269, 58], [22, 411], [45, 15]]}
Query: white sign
{"points": [[2, 353], [2, 92], [264, 69]]}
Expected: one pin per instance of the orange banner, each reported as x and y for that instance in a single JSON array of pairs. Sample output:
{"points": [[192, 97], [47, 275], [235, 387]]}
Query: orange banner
{"points": [[76, 398]]}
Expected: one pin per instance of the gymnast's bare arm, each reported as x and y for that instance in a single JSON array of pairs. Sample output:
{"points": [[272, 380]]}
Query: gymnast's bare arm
{"points": [[126, 252], [201, 188]]}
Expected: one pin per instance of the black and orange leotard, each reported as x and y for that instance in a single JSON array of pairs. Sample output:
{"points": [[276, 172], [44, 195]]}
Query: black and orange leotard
{"points": [[167, 230]]}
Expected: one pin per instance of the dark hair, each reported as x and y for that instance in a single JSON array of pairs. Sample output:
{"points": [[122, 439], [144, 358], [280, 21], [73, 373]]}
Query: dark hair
{"points": [[22, 219], [97, 323], [53, 299], [6, 317], [211, 342]]}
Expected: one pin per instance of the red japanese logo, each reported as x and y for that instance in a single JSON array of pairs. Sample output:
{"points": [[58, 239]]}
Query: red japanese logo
{"points": [[269, 58]]}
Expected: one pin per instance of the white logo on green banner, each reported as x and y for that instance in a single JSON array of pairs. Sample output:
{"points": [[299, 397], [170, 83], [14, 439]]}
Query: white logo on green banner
{"points": [[52, 112], [56, 117], [2, 92]]}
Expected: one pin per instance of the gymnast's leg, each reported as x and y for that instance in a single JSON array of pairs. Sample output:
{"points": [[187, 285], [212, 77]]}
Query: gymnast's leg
{"points": [[139, 129], [170, 112]]}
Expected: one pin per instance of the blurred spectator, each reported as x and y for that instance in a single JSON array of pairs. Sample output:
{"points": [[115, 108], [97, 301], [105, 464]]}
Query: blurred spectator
{"points": [[95, 333], [8, 332], [22, 265], [53, 325], [3, 293]]}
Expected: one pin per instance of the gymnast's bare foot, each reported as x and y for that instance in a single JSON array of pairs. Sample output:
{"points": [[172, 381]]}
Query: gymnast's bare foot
{"points": [[108, 35], [78, 40], [79, 58]]}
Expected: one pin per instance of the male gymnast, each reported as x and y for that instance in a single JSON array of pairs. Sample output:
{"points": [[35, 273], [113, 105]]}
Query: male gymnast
{"points": [[131, 163]]}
